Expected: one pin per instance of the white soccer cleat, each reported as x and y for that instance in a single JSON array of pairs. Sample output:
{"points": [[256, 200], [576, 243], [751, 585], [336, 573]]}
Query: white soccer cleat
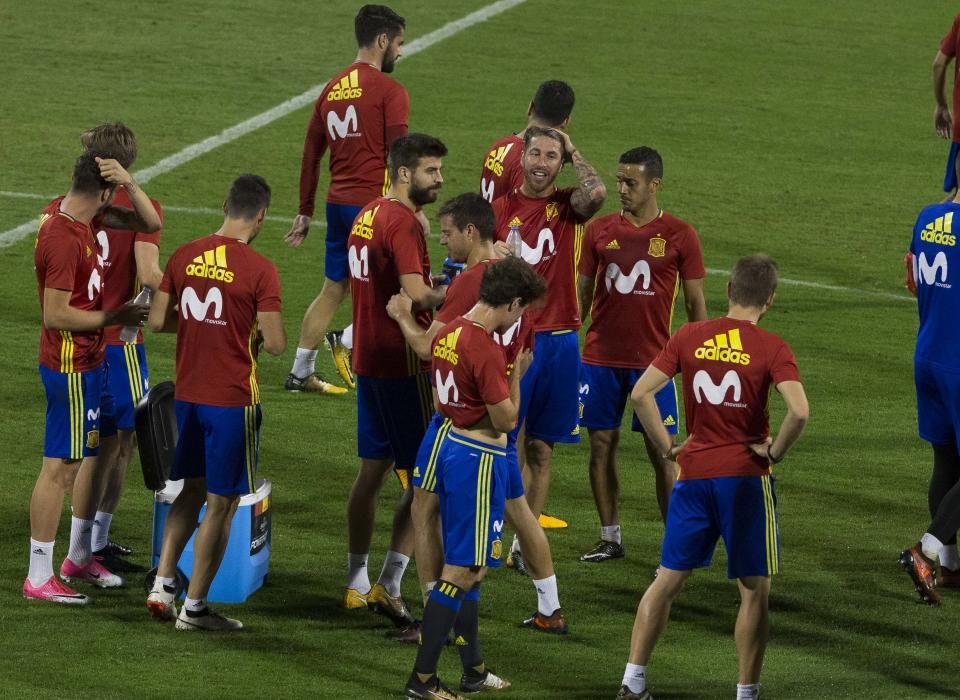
{"points": [[161, 603], [210, 621]]}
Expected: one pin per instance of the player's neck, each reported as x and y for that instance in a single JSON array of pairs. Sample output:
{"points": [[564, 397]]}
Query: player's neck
{"points": [[643, 217], [484, 316], [401, 193], [370, 57], [527, 191], [745, 313], [236, 229], [80, 207], [482, 251]]}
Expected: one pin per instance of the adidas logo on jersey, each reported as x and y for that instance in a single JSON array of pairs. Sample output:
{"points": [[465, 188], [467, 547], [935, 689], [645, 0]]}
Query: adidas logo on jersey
{"points": [[348, 88], [669, 421], [212, 265], [724, 347], [940, 231], [613, 245], [495, 158], [364, 225], [516, 222], [445, 348]]}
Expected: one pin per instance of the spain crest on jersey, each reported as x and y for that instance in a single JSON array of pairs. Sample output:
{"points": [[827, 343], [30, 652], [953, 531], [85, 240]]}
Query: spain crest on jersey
{"points": [[658, 248], [551, 212]]}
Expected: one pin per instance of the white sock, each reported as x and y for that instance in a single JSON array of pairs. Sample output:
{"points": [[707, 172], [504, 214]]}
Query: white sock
{"points": [[357, 577], [610, 533], [548, 599], [304, 364], [81, 538], [949, 557], [931, 546], [392, 572], [195, 605], [749, 691], [101, 530], [168, 581], [41, 562], [515, 546], [635, 678], [347, 338]]}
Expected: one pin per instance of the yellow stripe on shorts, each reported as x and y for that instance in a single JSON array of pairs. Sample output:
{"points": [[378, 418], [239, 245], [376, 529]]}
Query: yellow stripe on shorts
{"points": [[773, 555]]}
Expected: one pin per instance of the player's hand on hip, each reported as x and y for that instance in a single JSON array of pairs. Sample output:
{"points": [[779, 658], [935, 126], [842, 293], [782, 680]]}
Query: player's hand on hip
{"points": [[501, 250], [298, 231], [675, 451], [112, 171], [400, 305], [522, 363], [760, 448], [942, 122]]}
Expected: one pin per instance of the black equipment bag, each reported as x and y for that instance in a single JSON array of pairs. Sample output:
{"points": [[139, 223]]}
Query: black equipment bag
{"points": [[156, 423]]}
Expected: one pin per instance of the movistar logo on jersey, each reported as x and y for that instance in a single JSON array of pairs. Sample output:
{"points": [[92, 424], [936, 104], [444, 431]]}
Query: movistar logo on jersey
{"points": [[532, 255], [445, 348], [626, 282], [363, 226], [716, 394], [212, 265], [931, 273], [447, 390], [724, 347], [495, 158], [192, 306], [940, 231], [348, 88]]}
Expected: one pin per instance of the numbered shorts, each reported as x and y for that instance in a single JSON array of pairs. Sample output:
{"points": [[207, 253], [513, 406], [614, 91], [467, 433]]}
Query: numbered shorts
{"points": [[392, 416], [938, 403], [220, 444], [430, 447], [125, 383], [950, 176], [604, 392], [549, 397], [470, 478], [740, 509], [72, 428], [340, 218]]}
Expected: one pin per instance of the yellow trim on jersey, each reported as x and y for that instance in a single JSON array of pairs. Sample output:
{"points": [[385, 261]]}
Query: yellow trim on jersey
{"points": [[429, 481], [484, 484], [425, 392], [254, 386], [386, 181], [66, 352], [773, 553], [673, 303], [578, 230], [75, 401]]}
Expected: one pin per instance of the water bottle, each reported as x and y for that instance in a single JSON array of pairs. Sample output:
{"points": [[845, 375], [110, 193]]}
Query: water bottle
{"points": [[515, 241], [129, 333]]}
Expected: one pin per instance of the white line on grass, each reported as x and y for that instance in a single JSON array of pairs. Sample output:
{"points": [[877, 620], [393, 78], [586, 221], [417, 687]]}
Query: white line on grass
{"points": [[8, 238]]}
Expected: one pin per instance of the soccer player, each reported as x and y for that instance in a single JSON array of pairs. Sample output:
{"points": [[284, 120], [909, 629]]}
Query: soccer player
{"points": [[725, 487], [131, 259], [69, 273], [937, 375], [470, 470], [467, 228], [360, 112], [632, 265], [388, 253], [221, 297], [550, 222], [946, 127], [502, 170]]}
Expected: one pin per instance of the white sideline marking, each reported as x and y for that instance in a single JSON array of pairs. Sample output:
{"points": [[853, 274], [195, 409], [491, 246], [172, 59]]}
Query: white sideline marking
{"points": [[828, 287], [8, 238]]}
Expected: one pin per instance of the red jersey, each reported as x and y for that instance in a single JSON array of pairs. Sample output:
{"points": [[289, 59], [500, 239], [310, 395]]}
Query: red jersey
{"points": [[502, 170], [728, 367], [357, 116], [469, 372], [66, 257], [637, 273], [220, 284], [551, 232], [950, 47], [386, 241], [464, 292], [120, 283]]}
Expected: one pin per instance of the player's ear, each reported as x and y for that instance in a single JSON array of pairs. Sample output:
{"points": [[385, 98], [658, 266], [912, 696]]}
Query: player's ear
{"points": [[383, 41], [261, 216], [224, 207], [530, 109]]}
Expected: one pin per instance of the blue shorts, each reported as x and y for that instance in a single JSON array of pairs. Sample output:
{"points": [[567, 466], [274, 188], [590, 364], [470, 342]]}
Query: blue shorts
{"points": [[938, 403], [392, 416], [950, 176], [425, 468], [470, 478], [220, 444], [73, 413], [549, 397], [125, 384], [604, 392], [740, 509], [340, 218]]}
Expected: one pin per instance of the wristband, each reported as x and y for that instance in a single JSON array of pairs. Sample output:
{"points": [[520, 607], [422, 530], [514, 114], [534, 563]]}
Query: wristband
{"points": [[770, 455]]}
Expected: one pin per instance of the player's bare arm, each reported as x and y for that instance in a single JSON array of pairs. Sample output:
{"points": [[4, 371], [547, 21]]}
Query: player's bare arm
{"points": [[423, 297], [58, 315], [163, 314], [798, 412], [400, 309], [585, 288], [274, 334], [941, 114], [694, 301], [147, 256], [645, 405], [591, 191], [143, 217]]}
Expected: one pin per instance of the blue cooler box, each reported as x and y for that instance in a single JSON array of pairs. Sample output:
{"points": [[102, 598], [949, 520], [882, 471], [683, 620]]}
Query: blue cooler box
{"points": [[245, 563]]}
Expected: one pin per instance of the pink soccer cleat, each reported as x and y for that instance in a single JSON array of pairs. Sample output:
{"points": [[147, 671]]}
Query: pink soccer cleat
{"points": [[55, 592], [92, 572]]}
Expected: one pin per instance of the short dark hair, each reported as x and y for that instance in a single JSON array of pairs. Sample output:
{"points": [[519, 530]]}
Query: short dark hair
{"points": [[553, 102], [373, 20], [753, 280], [407, 151], [247, 196], [86, 174], [647, 157], [509, 279], [536, 131], [471, 208], [114, 138]]}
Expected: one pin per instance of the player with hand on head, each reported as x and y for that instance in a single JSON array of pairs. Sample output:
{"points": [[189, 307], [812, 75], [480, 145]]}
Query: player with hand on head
{"points": [[220, 296], [69, 272], [360, 112], [725, 487], [470, 470], [945, 126], [632, 265]]}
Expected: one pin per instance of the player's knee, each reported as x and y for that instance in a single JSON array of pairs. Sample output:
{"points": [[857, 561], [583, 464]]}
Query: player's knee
{"points": [[221, 506], [538, 455], [64, 472]]}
